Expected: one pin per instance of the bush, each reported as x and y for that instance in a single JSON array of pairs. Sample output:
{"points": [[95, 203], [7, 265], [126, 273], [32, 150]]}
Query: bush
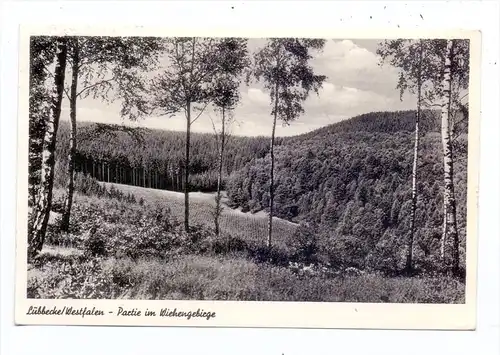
{"points": [[96, 244], [305, 244], [73, 278], [388, 255], [343, 251], [89, 186]]}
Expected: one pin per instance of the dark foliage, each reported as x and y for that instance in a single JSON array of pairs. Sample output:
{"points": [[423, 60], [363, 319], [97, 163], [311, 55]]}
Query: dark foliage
{"points": [[155, 156], [353, 180]]}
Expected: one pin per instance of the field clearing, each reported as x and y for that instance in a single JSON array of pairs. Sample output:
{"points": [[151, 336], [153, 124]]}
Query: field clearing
{"points": [[250, 227]]}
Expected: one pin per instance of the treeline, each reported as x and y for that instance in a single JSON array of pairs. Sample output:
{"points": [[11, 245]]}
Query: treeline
{"points": [[384, 122], [154, 158], [353, 188]]}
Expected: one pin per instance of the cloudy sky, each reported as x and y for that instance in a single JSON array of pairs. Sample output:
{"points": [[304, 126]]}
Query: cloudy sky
{"points": [[355, 84]]}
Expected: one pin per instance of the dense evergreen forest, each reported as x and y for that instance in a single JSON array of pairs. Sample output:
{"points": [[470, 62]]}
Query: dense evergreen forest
{"points": [[351, 183], [154, 158]]}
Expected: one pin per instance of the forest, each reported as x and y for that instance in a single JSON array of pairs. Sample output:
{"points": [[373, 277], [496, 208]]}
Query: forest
{"points": [[352, 211], [154, 158]]}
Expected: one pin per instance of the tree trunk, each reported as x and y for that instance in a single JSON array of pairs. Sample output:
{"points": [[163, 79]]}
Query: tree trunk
{"points": [[44, 201], [186, 167], [72, 138], [271, 185], [172, 177], [409, 255], [449, 203], [219, 176]]}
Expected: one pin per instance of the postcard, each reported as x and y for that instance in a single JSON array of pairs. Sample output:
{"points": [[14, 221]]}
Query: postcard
{"points": [[247, 179]]}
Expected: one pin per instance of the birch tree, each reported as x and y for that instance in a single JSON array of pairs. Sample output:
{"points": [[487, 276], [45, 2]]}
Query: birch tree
{"points": [[104, 68], [449, 92], [225, 96], [437, 72], [283, 66], [417, 68], [41, 209], [184, 87], [42, 51], [454, 80]]}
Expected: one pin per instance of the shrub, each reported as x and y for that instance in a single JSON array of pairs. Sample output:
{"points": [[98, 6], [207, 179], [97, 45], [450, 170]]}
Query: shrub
{"points": [[389, 254], [57, 205], [343, 251], [89, 186], [96, 244], [73, 278], [305, 244]]}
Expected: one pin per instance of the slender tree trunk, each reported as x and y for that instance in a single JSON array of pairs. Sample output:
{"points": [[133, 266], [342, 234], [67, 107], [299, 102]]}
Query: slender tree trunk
{"points": [[44, 201], [186, 167], [409, 256], [445, 233], [449, 203], [72, 138], [219, 176], [172, 177], [271, 185]]}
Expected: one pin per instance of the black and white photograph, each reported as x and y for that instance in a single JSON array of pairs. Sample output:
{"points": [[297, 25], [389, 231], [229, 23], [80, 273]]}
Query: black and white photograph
{"points": [[261, 169]]}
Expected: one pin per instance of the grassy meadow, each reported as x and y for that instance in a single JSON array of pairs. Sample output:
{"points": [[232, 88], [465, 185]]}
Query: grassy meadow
{"points": [[118, 248]]}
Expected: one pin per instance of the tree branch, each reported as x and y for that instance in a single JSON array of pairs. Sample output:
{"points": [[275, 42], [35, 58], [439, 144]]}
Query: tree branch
{"points": [[203, 109], [215, 132], [96, 84], [65, 90]]}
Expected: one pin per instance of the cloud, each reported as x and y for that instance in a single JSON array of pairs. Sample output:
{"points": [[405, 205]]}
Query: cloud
{"points": [[347, 64], [255, 96], [355, 84]]}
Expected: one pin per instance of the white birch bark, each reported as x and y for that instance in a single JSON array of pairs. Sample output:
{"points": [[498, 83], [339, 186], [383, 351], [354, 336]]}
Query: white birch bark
{"points": [[44, 200], [409, 257], [449, 203], [72, 138]]}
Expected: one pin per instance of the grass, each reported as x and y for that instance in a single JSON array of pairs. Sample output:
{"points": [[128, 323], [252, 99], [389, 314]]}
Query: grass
{"points": [[232, 278], [249, 227], [204, 278], [170, 264]]}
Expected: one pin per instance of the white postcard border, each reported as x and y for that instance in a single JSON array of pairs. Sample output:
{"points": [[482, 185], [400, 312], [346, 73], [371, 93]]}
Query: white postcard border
{"points": [[243, 313]]}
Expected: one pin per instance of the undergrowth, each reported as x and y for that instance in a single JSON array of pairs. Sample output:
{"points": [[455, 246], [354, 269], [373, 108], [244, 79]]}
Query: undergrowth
{"points": [[116, 248]]}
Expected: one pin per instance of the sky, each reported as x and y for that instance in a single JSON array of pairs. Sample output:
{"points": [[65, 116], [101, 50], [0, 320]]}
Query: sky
{"points": [[355, 84]]}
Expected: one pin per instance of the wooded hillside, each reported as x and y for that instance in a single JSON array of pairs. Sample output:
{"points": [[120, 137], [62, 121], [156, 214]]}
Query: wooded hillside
{"points": [[351, 182], [351, 179], [154, 158]]}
